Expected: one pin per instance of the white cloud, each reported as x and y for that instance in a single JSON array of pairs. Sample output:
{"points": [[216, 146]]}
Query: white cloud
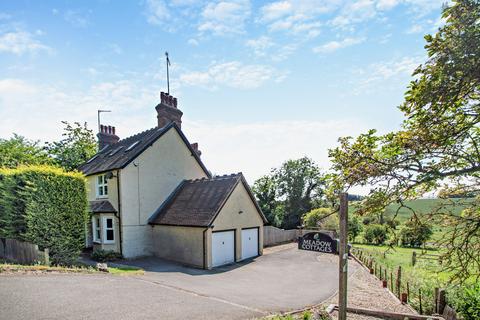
{"points": [[225, 17], [355, 12], [232, 74], [299, 17], [20, 42], [380, 73], [335, 45], [387, 4], [53, 104], [260, 45], [157, 12], [193, 42], [229, 147], [76, 18]]}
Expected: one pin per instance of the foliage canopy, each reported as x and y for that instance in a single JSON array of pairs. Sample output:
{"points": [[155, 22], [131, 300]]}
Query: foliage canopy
{"points": [[438, 145]]}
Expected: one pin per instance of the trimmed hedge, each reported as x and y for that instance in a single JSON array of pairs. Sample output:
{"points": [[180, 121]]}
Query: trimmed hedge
{"points": [[46, 206]]}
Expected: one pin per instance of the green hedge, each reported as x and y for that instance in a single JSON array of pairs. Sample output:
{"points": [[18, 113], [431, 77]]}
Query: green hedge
{"points": [[46, 206]]}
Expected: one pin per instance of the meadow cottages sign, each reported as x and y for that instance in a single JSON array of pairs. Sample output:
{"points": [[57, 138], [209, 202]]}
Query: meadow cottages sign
{"points": [[317, 241]]}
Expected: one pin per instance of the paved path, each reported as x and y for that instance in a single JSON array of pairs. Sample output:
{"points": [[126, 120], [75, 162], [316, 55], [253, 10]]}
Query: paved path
{"points": [[278, 281]]}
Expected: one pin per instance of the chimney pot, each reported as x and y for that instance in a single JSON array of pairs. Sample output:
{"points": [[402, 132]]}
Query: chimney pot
{"points": [[106, 136], [175, 102]]}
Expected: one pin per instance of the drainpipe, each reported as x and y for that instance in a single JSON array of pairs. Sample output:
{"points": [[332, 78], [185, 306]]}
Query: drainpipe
{"points": [[119, 212]]}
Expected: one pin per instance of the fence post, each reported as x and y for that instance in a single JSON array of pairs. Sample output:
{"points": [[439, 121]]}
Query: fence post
{"points": [[420, 300], [46, 253], [391, 281], [442, 301], [414, 258], [408, 292], [399, 280]]}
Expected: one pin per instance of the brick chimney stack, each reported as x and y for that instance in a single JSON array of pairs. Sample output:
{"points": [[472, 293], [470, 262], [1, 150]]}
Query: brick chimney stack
{"points": [[195, 148], [106, 136], [167, 111]]}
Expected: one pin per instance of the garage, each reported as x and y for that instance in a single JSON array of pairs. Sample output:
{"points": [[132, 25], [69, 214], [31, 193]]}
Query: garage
{"points": [[249, 243], [223, 248], [208, 223]]}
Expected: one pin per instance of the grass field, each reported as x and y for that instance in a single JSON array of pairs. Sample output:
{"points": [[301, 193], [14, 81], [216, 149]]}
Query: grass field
{"points": [[424, 276], [421, 207]]}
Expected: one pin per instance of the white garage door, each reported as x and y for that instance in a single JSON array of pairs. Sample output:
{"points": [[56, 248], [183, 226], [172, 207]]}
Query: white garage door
{"points": [[249, 243], [223, 247]]}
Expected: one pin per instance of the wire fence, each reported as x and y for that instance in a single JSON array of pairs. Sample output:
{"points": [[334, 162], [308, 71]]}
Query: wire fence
{"points": [[424, 299]]}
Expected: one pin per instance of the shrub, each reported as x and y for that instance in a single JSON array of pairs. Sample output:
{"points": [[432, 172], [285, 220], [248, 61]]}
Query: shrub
{"points": [[354, 227], [46, 206], [320, 218], [375, 234], [468, 302], [415, 233], [105, 255]]}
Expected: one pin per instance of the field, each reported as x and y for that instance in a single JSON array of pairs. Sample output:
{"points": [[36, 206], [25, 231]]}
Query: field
{"points": [[422, 278], [421, 207]]}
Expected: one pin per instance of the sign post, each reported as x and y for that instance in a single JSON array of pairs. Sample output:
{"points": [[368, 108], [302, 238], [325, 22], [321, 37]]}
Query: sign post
{"points": [[343, 257]]}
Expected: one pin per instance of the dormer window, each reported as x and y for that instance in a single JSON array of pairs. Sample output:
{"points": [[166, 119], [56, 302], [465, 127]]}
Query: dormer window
{"points": [[102, 186]]}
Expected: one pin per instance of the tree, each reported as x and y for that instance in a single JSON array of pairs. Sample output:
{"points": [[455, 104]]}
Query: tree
{"points": [[438, 145], [264, 189], [300, 186], [20, 151], [321, 218], [415, 233], [375, 234], [77, 146], [354, 227]]}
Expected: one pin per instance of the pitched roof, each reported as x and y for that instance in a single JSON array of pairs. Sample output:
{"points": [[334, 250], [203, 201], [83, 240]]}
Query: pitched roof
{"points": [[101, 206], [196, 203], [120, 154]]}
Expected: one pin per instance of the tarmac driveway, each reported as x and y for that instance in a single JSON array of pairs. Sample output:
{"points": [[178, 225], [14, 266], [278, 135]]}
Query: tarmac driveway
{"points": [[283, 279]]}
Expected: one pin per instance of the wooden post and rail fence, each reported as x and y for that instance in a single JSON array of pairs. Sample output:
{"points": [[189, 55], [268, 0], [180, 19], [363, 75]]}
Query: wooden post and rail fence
{"points": [[415, 297]]}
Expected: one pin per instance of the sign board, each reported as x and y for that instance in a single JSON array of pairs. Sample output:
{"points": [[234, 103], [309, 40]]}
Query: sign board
{"points": [[318, 241]]}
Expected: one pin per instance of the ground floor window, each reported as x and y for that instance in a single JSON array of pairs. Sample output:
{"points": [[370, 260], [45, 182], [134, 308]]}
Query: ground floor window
{"points": [[108, 230], [96, 229]]}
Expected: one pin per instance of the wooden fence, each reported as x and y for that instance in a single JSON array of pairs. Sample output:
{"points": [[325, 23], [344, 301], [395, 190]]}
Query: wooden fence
{"points": [[273, 235], [425, 256], [22, 252], [416, 297]]}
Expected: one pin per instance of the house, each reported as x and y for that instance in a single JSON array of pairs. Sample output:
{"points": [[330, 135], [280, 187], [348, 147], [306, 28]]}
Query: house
{"points": [[151, 194]]}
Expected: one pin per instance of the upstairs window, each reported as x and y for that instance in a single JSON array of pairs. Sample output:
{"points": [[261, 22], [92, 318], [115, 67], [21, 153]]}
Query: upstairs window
{"points": [[102, 186]]}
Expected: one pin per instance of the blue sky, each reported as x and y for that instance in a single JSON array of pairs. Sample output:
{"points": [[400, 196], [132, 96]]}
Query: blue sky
{"points": [[259, 81]]}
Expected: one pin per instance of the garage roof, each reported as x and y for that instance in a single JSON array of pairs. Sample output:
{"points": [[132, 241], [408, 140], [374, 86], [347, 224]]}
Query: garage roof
{"points": [[196, 203]]}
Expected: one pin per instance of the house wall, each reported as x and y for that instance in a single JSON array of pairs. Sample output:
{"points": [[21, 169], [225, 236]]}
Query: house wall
{"points": [[146, 183], [181, 244], [112, 189], [230, 218], [112, 197]]}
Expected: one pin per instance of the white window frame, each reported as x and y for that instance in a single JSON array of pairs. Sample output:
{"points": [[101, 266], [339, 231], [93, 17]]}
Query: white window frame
{"points": [[101, 185], [96, 227], [105, 229]]}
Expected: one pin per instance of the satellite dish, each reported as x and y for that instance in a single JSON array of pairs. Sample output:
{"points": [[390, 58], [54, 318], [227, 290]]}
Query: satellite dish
{"points": [[109, 175]]}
